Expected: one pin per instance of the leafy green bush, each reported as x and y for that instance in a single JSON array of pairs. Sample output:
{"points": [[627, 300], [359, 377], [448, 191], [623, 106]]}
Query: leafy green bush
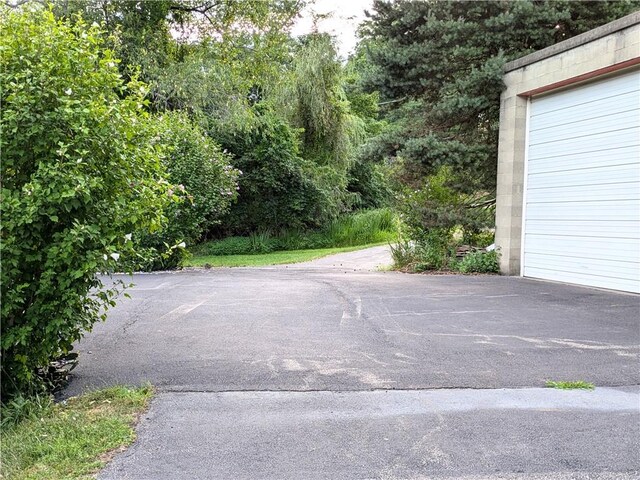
{"points": [[437, 250], [277, 189], [369, 185], [81, 171], [202, 172], [436, 204], [226, 246], [438, 218], [479, 262], [481, 239]]}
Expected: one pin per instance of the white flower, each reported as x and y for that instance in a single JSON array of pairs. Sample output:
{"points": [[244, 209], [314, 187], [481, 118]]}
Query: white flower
{"points": [[115, 256], [127, 237], [68, 91], [182, 245], [105, 256]]}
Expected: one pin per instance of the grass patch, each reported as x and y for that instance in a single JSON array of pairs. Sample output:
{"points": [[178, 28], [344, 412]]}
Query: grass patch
{"points": [[362, 228], [71, 440], [261, 260], [577, 385]]}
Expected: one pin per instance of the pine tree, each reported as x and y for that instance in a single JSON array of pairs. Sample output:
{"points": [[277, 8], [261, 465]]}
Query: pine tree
{"points": [[438, 66]]}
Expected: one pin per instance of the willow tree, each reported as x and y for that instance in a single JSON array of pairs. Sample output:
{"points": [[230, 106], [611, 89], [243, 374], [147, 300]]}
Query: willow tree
{"points": [[312, 97]]}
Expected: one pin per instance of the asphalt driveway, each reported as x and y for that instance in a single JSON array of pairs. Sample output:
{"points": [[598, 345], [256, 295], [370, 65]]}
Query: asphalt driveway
{"points": [[326, 370]]}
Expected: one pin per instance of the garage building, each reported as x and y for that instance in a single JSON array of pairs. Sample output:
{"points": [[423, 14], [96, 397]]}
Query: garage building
{"points": [[568, 199]]}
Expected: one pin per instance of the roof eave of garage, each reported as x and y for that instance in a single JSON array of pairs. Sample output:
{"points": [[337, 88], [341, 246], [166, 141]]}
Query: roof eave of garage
{"points": [[573, 42]]}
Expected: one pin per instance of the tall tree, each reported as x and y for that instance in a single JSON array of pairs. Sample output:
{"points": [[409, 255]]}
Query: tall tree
{"points": [[438, 66]]}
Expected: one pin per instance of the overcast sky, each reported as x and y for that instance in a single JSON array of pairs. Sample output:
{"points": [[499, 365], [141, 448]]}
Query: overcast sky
{"points": [[346, 15]]}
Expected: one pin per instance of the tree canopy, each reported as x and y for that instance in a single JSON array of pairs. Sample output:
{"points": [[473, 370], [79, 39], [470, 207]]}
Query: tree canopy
{"points": [[438, 68]]}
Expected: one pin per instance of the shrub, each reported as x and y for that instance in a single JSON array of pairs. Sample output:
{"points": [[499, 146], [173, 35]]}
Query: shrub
{"points": [[479, 262], [81, 171], [437, 250], [404, 254], [368, 182], [278, 189], [437, 205], [202, 171]]}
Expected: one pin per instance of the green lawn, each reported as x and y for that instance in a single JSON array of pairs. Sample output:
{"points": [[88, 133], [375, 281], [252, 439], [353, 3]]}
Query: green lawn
{"points": [[71, 440], [275, 258]]}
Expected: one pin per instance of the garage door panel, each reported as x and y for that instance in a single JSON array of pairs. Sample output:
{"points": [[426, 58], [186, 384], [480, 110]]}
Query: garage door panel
{"points": [[596, 228], [591, 110], [626, 210], [610, 157], [588, 93], [586, 193], [590, 126], [586, 176], [615, 249], [584, 279], [592, 266], [622, 137]]}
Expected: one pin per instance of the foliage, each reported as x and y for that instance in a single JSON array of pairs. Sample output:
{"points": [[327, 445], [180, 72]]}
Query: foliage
{"points": [[270, 100], [278, 188], [479, 262], [201, 170], [438, 68], [369, 185], [312, 97], [368, 180], [21, 408], [436, 251], [81, 171], [438, 204], [319, 104], [146, 30], [71, 440], [369, 226], [403, 254], [140, 32], [362, 228]]}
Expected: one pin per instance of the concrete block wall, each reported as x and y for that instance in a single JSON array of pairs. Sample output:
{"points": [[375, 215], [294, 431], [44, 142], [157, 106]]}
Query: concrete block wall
{"points": [[603, 47]]}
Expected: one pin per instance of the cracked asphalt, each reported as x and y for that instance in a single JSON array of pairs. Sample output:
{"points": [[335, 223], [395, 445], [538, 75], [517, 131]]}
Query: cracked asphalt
{"points": [[332, 369]]}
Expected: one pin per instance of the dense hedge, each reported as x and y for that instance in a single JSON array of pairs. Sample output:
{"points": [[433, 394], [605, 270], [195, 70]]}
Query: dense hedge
{"points": [[278, 189], [203, 175]]}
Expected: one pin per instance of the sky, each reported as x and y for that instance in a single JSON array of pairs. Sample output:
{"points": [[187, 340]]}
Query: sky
{"points": [[346, 15]]}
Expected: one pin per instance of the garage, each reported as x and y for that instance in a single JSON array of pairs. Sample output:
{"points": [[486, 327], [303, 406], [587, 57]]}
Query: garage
{"points": [[582, 199], [568, 183]]}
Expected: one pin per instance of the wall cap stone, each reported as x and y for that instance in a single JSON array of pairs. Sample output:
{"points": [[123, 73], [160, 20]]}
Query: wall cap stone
{"points": [[573, 42]]}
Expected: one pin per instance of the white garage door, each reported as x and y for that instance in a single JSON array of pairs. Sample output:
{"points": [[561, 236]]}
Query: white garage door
{"points": [[582, 200]]}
